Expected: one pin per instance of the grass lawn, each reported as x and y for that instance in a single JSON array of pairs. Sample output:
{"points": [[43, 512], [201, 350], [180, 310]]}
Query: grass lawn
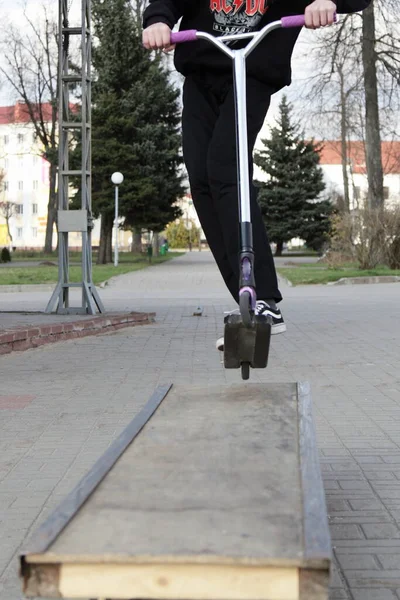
{"points": [[49, 274], [319, 273]]}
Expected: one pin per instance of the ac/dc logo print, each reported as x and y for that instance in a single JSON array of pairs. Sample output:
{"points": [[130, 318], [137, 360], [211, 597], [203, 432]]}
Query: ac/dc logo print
{"points": [[251, 7], [237, 16]]}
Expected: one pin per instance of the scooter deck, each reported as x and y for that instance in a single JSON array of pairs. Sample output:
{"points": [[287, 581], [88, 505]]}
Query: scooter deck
{"points": [[246, 344]]}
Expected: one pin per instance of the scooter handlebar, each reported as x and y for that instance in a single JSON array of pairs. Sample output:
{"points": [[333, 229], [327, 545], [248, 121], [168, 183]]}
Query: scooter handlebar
{"points": [[190, 35]]}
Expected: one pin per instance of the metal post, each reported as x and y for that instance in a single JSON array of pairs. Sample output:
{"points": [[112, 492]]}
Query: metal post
{"points": [[116, 228], [70, 120], [117, 178]]}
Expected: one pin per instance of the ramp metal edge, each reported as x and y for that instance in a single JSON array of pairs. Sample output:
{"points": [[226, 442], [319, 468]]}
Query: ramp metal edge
{"points": [[63, 514], [317, 541]]}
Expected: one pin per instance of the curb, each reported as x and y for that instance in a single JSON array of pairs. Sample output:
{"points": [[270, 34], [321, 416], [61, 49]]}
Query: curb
{"points": [[27, 287], [25, 338], [284, 280], [355, 280]]}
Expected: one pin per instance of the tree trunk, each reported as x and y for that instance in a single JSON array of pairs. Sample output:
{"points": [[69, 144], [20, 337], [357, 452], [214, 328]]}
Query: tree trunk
{"points": [[343, 142], [106, 231], [279, 248], [136, 241], [51, 208], [8, 229], [373, 150], [156, 244]]}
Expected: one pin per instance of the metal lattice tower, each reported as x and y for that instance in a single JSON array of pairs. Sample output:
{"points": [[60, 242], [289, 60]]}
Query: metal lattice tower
{"points": [[70, 120]]}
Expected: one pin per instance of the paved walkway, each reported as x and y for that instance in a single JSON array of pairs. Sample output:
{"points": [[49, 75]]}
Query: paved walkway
{"points": [[70, 400]]}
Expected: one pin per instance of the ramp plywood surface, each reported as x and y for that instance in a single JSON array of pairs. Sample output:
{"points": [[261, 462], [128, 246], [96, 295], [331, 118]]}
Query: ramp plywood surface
{"points": [[208, 475], [218, 497]]}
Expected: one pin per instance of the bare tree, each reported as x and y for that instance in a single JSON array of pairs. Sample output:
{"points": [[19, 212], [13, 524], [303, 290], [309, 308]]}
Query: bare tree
{"points": [[30, 59], [365, 49], [330, 94], [138, 7], [7, 208], [373, 147]]}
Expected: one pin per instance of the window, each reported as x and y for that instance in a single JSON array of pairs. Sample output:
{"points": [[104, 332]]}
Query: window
{"points": [[386, 192], [19, 209], [6, 140], [20, 138], [35, 159], [34, 209], [20, 185], [6, 163], [35, 184], [20, 162], [357, 192], [34, 232], [19, 232], [5, 185]]}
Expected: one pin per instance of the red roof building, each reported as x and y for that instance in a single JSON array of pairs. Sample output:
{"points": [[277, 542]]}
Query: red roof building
{"points": [[19, 114], [331, 163], [331, 155]]}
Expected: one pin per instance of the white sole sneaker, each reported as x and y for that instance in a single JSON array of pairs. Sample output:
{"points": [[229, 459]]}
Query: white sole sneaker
{"points": [[220, 344], [278, 328]]}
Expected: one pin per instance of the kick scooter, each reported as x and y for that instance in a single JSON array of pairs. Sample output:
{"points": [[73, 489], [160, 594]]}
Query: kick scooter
{"points": [[246, 335]]}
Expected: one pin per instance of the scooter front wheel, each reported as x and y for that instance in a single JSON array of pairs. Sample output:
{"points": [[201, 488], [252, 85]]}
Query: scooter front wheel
{"points": [[245, 308], [245, 370]]}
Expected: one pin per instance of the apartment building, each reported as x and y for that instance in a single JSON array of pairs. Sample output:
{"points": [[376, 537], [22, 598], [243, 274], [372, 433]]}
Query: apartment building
{"points": [[25, 183], [25, 175]]}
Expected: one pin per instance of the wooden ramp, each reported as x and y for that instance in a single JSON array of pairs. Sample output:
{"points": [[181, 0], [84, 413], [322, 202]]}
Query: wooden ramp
{"points": [[218, 497]]}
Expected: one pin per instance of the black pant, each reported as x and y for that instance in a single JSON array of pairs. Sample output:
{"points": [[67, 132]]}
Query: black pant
{"points": [[209, 150]]}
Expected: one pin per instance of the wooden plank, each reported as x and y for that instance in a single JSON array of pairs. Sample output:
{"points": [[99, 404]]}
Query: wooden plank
{"points": [[172, 582], [179, 582], [60, 518], [317, 542]]}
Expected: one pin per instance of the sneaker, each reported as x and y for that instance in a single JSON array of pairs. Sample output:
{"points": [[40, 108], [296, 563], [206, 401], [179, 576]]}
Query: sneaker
{"points": [[220, 344], [278, 324]]}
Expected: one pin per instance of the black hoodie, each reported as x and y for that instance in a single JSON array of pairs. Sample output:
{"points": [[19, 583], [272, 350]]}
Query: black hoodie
{"points": [[269, 62]]}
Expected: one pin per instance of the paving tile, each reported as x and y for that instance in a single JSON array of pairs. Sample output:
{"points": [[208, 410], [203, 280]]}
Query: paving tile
{"points": [[82, 393]]}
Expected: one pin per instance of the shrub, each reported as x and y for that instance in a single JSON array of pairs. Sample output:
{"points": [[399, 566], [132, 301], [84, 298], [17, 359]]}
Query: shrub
{"points": [[179, 236], [358, 235], [334, 259], [5, 255], [369, 236], [391, 222]]}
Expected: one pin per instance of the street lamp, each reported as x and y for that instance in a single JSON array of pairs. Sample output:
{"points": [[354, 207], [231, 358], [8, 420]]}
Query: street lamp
{"points": [[117, 178], [189, 224]]}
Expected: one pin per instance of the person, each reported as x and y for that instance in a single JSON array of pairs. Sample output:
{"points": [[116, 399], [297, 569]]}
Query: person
{"points": [[208, 117]]}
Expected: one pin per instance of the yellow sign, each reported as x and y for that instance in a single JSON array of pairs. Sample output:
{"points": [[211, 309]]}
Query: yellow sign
{"points": [[4, 241]]}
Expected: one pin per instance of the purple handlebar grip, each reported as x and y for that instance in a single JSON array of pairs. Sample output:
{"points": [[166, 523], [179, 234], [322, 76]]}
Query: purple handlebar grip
{"points": [[295, 21], [190, 35]]}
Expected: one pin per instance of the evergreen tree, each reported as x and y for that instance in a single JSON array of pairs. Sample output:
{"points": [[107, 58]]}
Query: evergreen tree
{"points": [[135, 127], [289, 199]]}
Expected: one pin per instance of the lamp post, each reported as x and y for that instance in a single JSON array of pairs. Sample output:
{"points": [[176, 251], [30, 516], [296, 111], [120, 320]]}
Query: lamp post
{"points": [[189, 224], [117, 178]]}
